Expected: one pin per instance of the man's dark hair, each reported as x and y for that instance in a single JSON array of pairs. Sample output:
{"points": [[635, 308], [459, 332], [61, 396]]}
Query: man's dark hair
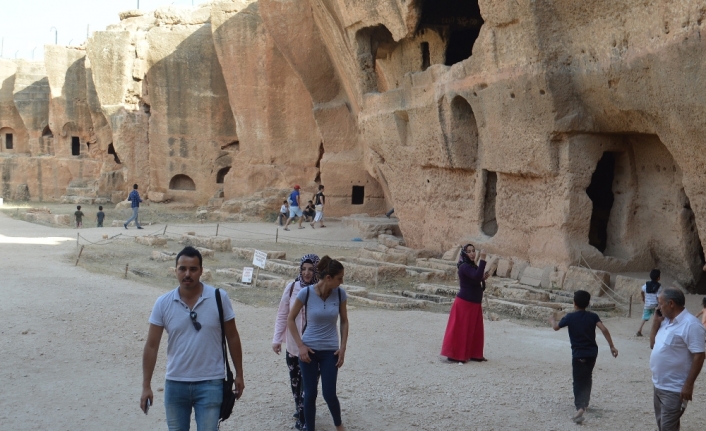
{"points": [[100, 207], [134, 186], [78, 207], [321, 186], [674, 295], [190, 252], [582, 299], [655, 274]]}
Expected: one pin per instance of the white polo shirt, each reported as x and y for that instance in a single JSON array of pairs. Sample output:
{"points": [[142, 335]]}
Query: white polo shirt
{"points": [[192, 355], [677, 340]]}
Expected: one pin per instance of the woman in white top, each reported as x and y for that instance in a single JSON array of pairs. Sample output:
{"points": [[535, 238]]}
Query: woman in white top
{"points": [[308, 275]]}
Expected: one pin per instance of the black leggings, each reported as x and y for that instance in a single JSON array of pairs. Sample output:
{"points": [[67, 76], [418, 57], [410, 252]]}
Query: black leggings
{"points": [[295, 377]]}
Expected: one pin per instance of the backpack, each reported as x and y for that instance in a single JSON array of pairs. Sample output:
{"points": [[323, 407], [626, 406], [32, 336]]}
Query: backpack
{"points": [[652, 286]]}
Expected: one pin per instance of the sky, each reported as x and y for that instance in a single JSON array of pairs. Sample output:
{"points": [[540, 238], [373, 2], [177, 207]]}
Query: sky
{"points": [[26, 25]]}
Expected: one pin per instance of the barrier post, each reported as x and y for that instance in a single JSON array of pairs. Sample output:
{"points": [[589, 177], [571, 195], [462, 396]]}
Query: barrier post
{"points": [[78, 238], [257, 272], [165, 230], [126, 270], [79, 256], [217, 226], [630, 307], [277, 236]]}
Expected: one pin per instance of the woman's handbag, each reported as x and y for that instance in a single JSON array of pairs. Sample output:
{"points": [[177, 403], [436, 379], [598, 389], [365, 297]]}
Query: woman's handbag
{"points": [[228, 383]]}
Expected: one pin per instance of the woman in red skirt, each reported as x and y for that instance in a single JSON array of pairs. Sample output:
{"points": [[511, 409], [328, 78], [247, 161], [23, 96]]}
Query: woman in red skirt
{"points": [[463, 340]]}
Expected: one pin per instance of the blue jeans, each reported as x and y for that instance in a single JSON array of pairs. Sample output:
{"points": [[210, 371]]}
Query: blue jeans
{"points": [[134, 217], [205, 397], [323, 363]]}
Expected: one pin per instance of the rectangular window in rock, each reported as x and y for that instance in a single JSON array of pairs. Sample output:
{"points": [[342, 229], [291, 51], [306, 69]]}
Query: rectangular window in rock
{"points": [[490, 223], [75, 146], [426, 57], [8, 141], [358, 195]]}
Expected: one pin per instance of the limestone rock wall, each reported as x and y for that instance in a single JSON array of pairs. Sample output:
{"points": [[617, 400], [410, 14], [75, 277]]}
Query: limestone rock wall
{"points": [[549, 132]]}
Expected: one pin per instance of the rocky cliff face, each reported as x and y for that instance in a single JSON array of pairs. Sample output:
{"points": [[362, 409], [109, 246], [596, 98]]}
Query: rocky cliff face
{"points": [[546, 131]]}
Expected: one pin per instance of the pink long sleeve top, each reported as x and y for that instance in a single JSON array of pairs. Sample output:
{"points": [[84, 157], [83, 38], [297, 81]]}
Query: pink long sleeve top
{"points": [[282, 335]]}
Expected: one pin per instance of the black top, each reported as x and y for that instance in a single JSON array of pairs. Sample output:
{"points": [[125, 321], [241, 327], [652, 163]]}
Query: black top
{"points": [[320, 198], [470, 279], [100, 216], [582, 333]]}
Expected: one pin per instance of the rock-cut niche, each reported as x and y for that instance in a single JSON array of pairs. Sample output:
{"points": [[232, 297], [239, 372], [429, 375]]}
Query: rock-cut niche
{"points": [[221, 175], [182, 182], [460, 131]]}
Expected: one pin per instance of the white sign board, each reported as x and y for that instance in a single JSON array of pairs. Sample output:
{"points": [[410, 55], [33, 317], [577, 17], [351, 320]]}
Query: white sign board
{"points": [[259, 259], [247, 275]]}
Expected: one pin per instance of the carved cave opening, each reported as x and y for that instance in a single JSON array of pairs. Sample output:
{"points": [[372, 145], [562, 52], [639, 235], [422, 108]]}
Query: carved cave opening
{"points": [[46, 132], [182, 182], [75, 146], [426, 55], [8, 141], [221, 175], [111, 150], [358, 195], [600, 191], [459, 21], [490, 222], [460, 131]]}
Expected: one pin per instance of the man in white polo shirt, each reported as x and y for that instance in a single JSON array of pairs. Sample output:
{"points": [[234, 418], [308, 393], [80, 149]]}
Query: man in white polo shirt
{"points": [[677, 341], [195, 368]]}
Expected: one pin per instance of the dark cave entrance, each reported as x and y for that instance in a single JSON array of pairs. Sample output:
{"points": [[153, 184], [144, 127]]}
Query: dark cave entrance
{"points": [[459, 21], [600, 191]]}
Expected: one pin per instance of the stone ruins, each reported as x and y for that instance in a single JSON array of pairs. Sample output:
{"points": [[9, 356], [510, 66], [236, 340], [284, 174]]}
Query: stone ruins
{"points": [[546, 132]]}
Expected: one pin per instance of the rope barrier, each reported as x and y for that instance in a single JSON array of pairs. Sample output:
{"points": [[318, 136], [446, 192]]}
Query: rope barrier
{"points": [[615, 295]]}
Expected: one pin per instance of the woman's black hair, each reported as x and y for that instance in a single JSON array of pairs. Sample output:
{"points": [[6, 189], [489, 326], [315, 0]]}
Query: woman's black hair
{"points": [[704, 302], [330, 267]]}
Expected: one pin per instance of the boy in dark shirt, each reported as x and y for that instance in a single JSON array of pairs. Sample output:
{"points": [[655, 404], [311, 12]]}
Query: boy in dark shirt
{"points": [[584, 350], [79, 217], [100, 216]]}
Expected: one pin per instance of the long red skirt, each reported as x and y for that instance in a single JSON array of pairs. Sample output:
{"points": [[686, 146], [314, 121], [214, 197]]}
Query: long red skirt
{"points": [[464, 332]]}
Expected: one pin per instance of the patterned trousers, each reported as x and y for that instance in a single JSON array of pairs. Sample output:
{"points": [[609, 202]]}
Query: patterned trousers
{"points": [[295, 377]]}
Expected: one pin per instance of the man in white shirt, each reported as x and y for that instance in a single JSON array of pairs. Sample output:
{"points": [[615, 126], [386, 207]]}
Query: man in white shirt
{"points": [[677, 342], [195, 367]]}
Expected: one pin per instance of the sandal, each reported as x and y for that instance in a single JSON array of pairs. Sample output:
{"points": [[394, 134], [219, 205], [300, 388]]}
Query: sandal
{"points": [[312, 225], [286, 228], [323, 226], [302, 227]]}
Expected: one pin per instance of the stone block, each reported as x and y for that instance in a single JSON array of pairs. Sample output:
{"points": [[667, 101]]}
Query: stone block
{"points": [[578, 278], [157, 196], [207, 275], [117, 223], [170, 272], [518, 267], [532, 276], [249, 253], [556, 280], [206, 252], [217, 243], [153, 241], [626, 286], [389, 240], [62, 219], [30, 217], [123, 205], [546, 276], [399, 258], [504, 268], [161, 256], [452, 253]]}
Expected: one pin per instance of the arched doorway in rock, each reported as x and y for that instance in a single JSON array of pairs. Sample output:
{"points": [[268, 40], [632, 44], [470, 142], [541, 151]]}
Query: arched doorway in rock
{"points": [[221, 175], [7, 138], [111, 150], [182, 182], [460, 132]]}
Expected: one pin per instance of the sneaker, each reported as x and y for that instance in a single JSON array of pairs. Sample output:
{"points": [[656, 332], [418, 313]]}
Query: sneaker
{"points": [[125, 226], [638, 334], [140, 227]]}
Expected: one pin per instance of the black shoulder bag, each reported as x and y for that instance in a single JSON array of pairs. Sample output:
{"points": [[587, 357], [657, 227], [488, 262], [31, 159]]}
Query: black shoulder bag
{"points": [[228, 383]]}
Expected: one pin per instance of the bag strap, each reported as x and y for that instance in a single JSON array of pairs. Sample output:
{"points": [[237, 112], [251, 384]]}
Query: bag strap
{"points": [[223, 331], [306, 301], [292, 289]]}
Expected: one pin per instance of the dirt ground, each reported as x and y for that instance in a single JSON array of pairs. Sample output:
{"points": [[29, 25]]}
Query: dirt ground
{"points": [[72, 339]]}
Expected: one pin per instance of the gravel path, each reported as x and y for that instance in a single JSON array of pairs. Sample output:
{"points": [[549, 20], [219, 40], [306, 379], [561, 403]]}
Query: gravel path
{"points": [[71, 346]]}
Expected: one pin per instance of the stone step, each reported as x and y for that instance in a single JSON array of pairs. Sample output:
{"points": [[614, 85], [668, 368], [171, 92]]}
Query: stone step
{"points": [[437, 289], [424, 296], [81, 191], [380, 300]]}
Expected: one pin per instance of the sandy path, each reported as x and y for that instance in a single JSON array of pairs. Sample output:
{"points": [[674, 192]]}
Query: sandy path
{"points": [[71, 344]]}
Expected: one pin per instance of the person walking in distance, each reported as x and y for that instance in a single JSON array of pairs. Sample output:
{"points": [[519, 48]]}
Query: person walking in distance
{"points": [[308, 275], [319, 203], [320, 354], [677, 341], [650, 292], [195, 369], [294, 208], [584, 350], [134, 198]]}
